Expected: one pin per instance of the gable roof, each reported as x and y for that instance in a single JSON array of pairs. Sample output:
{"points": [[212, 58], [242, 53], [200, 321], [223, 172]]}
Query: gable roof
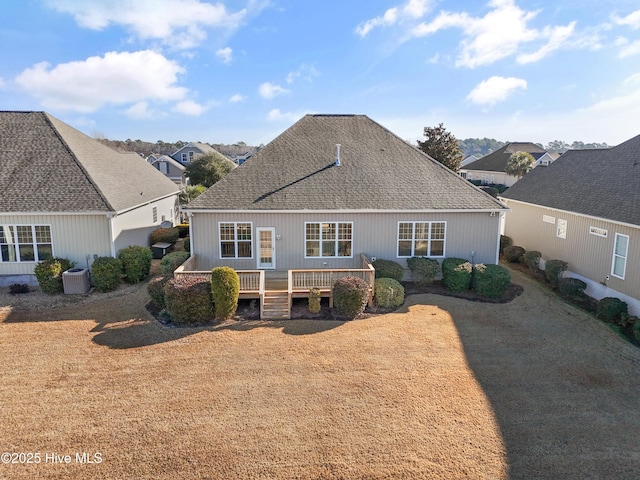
{"points": [[600, 183], [169, 160], [203, 147], [497, 161], [378, 171], [48, 166]]}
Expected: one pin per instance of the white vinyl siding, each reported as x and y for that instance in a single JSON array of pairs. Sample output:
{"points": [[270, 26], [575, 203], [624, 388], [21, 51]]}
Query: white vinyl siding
{"points": [[328, 239], [236, 239], [619, 263], [421, 239], [25, 243]]}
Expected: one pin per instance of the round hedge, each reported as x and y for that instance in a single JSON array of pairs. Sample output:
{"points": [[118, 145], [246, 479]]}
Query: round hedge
{"points": [[136, 263], [350, 295], [456, 274], [423, 269], [491, 280], [225, 287], [105, 273], [164, 235], [49, 274], [155, 288], [188, 300], [513, 253], [171, 261], [388, 293], [388, 269]]}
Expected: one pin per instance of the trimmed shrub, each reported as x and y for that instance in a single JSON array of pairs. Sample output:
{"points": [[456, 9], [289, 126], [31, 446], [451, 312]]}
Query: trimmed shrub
{"points": [[183, 230], [553, 271], [572, 287], [105, 273], [532, 259], [314, 300], [188, 300], [350, 295], [628, 321], [187, 244], [423, 269], [389, 293], [388, 269], [171, 261], [505, 242], [155, 288], [491, 280], [17, 288], [636, 330], [225, 287], [49, 274], [165, 235], [513, 253], [136, 263], [611, 309], [456, 274]]}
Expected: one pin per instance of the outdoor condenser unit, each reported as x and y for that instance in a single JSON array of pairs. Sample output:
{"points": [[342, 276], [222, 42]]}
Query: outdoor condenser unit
{"points": [[76, 280]]}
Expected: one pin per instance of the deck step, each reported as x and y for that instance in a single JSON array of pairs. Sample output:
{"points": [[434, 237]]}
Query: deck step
{"points": [[275, 306]]}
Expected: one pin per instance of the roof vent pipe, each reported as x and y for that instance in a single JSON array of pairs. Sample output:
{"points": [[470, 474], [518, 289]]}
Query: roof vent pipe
{"points": [[337, 164]]}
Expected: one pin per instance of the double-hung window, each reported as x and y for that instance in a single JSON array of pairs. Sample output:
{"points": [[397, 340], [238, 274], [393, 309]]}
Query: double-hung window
{"points": [[620, 249], [25, 243], [236, 240], [421, 239], [328, 239]]}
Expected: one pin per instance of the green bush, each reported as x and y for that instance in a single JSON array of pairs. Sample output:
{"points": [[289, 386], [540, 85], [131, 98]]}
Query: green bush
{"points": [[388, 269], [532, 259], [49, 274], [423, 269], [225, 287], [314, 300], [456, 274], [628, 321], [136, 263], [636, 329], [155, 288], [187, 244], [171, 261], [350, 295], [513, 253], [572, 287], [183, 230], [164, 235], [505, 242], [105, 273], [389, 293], [188, 300], [491, 280], [611, 309], [553, 271]]}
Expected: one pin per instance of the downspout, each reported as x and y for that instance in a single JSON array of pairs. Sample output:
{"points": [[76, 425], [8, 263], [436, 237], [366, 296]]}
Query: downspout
{"points": [[500, 225], [110, 217], [191, 249]]}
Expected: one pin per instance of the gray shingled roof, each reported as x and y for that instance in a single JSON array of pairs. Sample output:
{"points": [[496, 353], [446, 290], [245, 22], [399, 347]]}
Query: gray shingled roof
{"points": [[379, 171], [48, 166], [497, 161], [598, 183]]}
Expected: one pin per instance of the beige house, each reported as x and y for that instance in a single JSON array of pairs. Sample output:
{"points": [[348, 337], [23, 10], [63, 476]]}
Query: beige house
{"points": [[67, 195], [334, 192], [585, 209]]}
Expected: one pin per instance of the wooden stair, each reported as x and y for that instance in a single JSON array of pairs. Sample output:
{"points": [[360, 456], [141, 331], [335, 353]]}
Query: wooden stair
{"points": [[275, 305]]}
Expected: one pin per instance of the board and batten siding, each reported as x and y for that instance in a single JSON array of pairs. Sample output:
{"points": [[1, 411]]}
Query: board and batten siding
{"points": [[589, 255], [374, 234], [73, 237]]}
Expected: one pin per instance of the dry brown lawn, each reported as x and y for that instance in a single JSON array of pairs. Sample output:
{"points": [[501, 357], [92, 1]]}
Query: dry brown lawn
{"points": [[444, 388]]}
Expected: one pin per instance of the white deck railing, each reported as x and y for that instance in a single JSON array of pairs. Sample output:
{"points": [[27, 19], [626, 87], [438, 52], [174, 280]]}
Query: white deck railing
{"points": [[251, 281]]}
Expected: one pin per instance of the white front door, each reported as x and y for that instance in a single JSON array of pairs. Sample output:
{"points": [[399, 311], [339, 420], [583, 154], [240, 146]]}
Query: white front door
{"points": [[267, 248]]}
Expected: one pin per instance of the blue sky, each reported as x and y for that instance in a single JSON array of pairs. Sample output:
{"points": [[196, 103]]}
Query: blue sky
{"points": [[230, 70]]}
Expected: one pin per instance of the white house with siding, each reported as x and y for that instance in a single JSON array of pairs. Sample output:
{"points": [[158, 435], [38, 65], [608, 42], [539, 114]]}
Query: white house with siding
{"points": [[584, 208], [333, 187], [67, 195]]}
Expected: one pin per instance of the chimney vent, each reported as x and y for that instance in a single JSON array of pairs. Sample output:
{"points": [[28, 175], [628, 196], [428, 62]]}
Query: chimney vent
{"points": [[337, 164]]}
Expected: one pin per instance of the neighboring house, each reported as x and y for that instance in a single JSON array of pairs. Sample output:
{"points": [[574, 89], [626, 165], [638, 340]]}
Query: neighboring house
{"points": [[240, 159], [333, 187], [67, 195], [469, 159], [585, 209], [191, 151], [490, 169], [171, 168]]}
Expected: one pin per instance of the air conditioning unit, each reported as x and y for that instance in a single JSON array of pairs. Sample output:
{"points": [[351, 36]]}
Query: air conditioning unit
{"points": [[76, 280]]}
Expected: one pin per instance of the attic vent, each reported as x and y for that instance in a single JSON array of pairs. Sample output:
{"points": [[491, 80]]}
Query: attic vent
{"points": [[337, 164]]}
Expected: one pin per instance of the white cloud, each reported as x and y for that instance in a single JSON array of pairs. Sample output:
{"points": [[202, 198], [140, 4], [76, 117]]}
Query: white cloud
{"points": [[2, 82], [496, 89], [140, 111], [307, 72], [225, 54], [117, 78], [497, 35], [237, 98], [411, 9], [276, 115], [189, 107], [632, 20], [627, 49], [178, 23], [270, 90]]}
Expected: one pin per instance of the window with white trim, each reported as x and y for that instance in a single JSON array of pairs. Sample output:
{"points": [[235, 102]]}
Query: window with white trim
{"points": [[620, 248], [328, 239], [236, 239], [598, 232], [25, 243], [421, 239], [154, 214], [561, 228], [184, 157]]}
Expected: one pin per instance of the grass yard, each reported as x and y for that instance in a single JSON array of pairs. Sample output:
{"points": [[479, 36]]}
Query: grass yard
{"points": [[443, 388]]}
